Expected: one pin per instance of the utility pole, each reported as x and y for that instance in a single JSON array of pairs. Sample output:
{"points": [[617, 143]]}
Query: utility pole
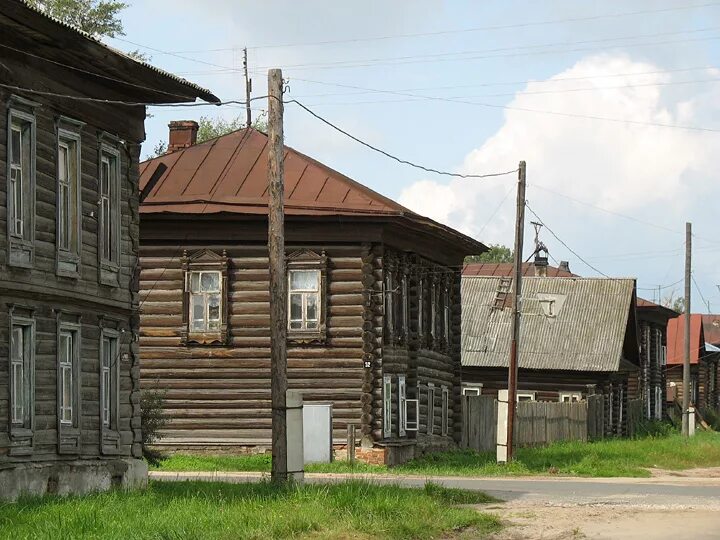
{"points": [[686, 360], [516, 308], [248, 89], [278, 287]]}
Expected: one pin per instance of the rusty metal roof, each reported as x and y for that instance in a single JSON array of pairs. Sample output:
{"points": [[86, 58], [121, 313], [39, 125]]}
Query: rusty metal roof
{"points": [[711, 328], [229, 174], [676, 339], [506, 269], [573, 324]]}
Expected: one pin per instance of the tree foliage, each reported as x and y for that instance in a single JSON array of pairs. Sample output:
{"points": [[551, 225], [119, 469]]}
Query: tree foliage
{"points": [[95, 17], [211, 128], [676, 303], [152, 421], [496, 254]]}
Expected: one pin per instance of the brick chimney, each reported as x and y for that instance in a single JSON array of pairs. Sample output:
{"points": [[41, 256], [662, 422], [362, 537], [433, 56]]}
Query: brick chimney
{"points": [[183, 134], [541, 265], [565, 266]]}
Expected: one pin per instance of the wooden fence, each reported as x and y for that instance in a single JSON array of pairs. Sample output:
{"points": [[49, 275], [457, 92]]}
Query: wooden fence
{"points": [[596, 417], [479, 427]]}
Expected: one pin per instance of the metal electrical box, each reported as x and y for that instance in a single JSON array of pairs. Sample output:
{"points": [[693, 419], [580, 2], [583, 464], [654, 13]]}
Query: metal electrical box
{"points": [[317, 432]]}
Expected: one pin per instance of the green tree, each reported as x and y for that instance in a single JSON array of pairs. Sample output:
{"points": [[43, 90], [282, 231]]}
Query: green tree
{"points": [[95, 17], [496, 254], [676, 303]]}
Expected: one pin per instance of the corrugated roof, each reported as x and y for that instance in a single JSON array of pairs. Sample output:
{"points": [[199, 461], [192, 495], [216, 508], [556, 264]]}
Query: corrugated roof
{"points": [[506, 269], [29, 13], [574, 324], [230, 174], [676, 339]]}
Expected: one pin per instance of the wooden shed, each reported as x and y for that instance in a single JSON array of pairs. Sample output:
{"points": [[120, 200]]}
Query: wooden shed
{"points": [[69, 147], [374, 301]]}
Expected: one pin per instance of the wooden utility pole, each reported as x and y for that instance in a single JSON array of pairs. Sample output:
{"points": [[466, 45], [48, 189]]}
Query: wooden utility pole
{"points": [[516, 308], [248, 90], [278, 286], [686, 360]]}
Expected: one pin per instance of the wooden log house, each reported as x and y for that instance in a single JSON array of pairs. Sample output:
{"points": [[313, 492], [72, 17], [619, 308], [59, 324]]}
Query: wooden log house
{"points": [[69, 235], [578, 336], [373, 301]]}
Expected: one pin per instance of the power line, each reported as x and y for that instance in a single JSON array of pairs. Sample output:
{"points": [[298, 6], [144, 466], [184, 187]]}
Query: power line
{"points": [[473, 29], [391, 156], [702, 296]]}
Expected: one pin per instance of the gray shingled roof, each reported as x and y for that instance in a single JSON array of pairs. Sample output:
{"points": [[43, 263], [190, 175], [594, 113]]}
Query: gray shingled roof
{"points": [[576, 324]]}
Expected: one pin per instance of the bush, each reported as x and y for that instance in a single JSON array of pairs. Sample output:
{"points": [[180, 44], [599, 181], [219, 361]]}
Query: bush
{"points": [[152, 420], [712, 417], [655, 428]]}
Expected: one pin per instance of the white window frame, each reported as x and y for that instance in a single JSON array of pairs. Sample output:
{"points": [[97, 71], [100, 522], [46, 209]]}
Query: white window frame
{"points": [[17, 179], [305, 295], [66, 369], [469, 389], [387, 406], [572, 397], [205, 298], [402, 406], [431, 409], [109, 383], [109, 211], [525, 394], [445, 416]]}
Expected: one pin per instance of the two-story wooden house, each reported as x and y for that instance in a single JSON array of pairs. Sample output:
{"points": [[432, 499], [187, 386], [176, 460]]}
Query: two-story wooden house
{"points": [[71, 125], [373, 300]]}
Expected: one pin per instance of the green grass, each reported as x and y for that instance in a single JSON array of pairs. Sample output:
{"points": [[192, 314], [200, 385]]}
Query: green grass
{"points": [[613, 457], [208, 510]]}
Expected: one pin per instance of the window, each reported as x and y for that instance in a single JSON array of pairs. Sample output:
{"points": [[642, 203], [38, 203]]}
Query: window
{"points": [[387, 406], [471, 389], [109, 187], [402, 406], [421, 310], [445, 411], [411, 414], [569, 397], [307, 302], [67, 382], [21, 184], [304, 299], [205, 300], [21, 351], [446, 315], [430, 409], [108, 379], [389, 286], [433, 314], [405, 306], [526, 396], [68, 203]]}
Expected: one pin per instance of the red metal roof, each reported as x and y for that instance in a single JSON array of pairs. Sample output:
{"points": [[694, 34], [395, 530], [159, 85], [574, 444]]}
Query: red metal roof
{"points": [[676, 339], [711, 328], [229, 174], [506, 269]]}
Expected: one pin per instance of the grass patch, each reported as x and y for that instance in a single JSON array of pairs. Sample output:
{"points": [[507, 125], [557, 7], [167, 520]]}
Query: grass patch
{"points": [[201, 510], [610, 458]]}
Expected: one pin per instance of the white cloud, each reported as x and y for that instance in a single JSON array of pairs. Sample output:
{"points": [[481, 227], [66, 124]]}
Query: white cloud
{"points": [[623, 167]]}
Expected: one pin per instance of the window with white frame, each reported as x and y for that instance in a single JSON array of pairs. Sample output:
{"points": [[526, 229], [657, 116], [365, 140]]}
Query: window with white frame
{"points": [[109, 173], [445, 411], [526, 396], [402, 405], [21, 391], [20, 199], [387, 406], [67, 358], [205, 300], [108, 379], [68, 202], [471, 389], [304, 299], [569, 397], [430, 409]]}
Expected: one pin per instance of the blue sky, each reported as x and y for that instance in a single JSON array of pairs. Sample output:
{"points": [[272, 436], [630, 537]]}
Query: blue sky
{"points": [[617, 193]]}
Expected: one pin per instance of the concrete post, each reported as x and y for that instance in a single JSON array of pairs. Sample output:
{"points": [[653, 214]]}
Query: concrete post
{"points": [[295, 450], [502, 421], [691, 421]]}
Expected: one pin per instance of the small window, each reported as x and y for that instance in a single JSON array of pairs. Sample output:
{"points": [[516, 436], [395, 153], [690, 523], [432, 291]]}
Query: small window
{"points": [[526, 396], [471, 390], [569, 397], [445, 420], [431, 409], [387, 406], [304, 299], [205, 301], [402, 406], [67, 357]]}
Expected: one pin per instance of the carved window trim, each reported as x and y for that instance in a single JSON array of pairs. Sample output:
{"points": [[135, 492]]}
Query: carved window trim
{"points": [[21, 248], [70, 434], [68, 261], [205, 260], [110, 432], [306, 259], [22, 436]]}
